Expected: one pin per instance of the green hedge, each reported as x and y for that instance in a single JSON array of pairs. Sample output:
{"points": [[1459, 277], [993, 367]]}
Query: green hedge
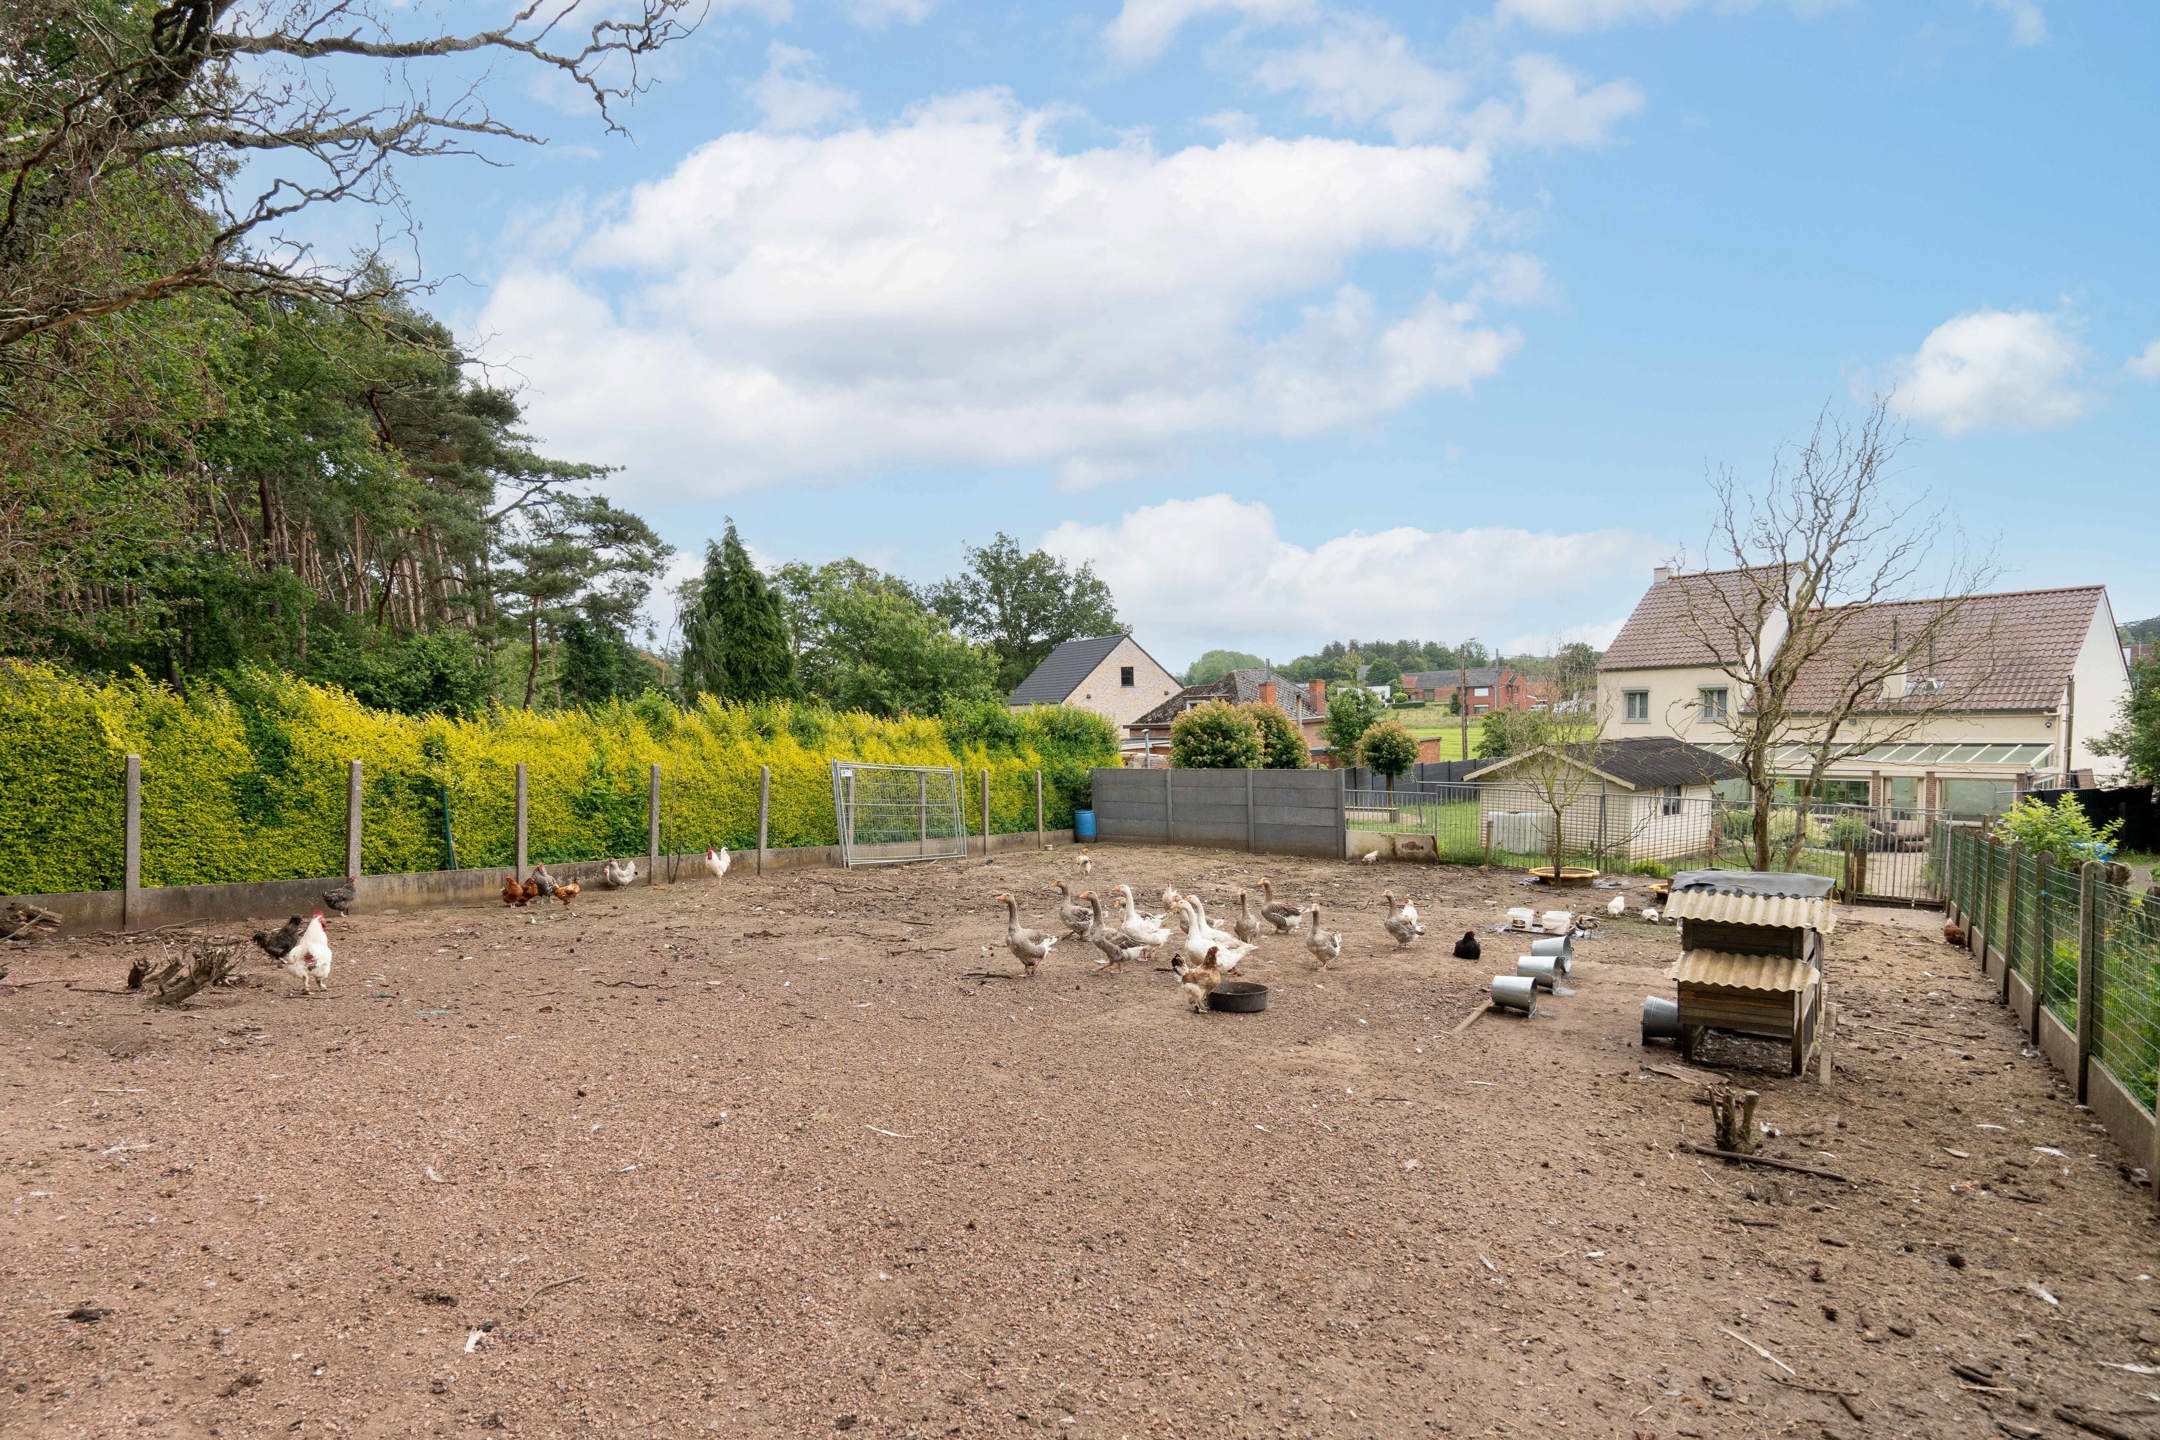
{"points": [[247, 781]]}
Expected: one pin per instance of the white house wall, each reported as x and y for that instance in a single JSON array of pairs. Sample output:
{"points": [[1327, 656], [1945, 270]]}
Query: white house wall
{"points": [[2103, 688]]}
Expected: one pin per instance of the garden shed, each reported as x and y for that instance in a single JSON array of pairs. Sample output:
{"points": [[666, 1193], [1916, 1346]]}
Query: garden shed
{"points": [[1648, 798]]}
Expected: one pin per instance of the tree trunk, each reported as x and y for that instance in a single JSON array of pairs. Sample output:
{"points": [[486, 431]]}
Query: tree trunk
{"points": [[532, 668]]}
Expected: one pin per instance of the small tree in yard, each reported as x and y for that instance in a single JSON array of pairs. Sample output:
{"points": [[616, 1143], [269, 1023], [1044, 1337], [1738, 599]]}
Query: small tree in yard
{"points": [[1389, 749], [1821, 621], [1282, 743], [1496, 738], [1351, 712], [1557, 766], [1215, 736]]}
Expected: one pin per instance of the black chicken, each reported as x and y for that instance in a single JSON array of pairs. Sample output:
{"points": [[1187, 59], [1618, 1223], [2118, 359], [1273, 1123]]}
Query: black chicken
{"points": [[277, 944], [1467, 948], [340, 897]]}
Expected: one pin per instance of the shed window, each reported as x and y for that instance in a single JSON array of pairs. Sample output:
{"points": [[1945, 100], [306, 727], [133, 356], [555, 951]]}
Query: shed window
{"points": [[1669, 800], [1637, 704], [1124, 676]]}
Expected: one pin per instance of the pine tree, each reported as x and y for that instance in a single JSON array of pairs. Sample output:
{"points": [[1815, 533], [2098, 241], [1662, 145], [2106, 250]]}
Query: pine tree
{"points": [[735, 640]]}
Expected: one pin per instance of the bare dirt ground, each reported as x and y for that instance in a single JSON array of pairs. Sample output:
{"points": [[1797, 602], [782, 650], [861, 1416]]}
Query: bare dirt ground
{"points": [[770, 1158]]}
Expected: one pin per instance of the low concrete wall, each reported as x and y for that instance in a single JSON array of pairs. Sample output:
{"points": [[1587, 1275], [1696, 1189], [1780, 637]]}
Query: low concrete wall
{"points": [[2058, 1042], [2019, 997], [2129, 1122], [212, 904]]}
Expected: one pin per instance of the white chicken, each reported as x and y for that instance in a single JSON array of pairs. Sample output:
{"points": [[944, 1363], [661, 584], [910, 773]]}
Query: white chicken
{"points": [[1087, 863], [618, 873], [717, 862], [1650, 913], [1617, 906], [1325, 945], [310, 958]]}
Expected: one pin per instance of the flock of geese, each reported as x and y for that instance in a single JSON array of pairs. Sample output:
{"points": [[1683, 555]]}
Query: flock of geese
{"points": [[1202, 954]]}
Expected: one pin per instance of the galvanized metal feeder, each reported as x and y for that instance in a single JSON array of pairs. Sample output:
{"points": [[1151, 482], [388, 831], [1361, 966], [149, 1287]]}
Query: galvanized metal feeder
{"points": [[1514, 992]]}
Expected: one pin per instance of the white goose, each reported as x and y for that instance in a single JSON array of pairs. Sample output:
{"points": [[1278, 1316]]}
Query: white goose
{"points": [[1201, 941], [1138, 928]]}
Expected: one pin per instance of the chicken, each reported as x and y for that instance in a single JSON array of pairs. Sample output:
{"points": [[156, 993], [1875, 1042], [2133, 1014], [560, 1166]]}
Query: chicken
{"points": [[277, 944], [1087, 863], [1405, 912], [1467, 948], [1073, 911], [1029, 947], [528, 892], [717, 862], [1247, 925], [566, 891], [543, 880], [512, 892], [1953, 934], [1198, 981], [1325, 945], [1283, 917], [1650, 913], [340, 897], [1370, 857], [310, 958], [1115, 947], [618, 873], [1617, 905]]}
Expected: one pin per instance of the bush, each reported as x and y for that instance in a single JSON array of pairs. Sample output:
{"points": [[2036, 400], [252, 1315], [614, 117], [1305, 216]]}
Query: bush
{"points": [[1282, 743], [1215, 736], [1736, 824], [247, 782], [1388, 749], [2063, 829], [1849, 832]]}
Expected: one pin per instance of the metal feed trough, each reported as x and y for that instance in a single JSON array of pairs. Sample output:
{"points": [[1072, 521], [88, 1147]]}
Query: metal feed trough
{"points": [[1751, 958]]}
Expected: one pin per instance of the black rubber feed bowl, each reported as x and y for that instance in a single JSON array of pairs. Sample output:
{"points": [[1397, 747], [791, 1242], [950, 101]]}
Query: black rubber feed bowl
{"points": [[1240, 997]]}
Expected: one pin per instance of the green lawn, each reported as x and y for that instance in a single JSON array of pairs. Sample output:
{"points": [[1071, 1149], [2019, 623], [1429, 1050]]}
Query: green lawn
{"points": [[1440, 724]]}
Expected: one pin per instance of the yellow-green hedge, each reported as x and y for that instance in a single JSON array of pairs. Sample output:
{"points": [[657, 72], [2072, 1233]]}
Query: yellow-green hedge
{"points": [[248, 782]]}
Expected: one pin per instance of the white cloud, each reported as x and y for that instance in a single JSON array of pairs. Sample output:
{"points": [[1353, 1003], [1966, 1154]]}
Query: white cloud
{"points": [[1143, 28], [1514, 279], [1215, 571], [2028, 23], [1579, 15], [955, 289], [1993, 370], [877, 14], [792, 93], [2145, 365], [1363, 73]]}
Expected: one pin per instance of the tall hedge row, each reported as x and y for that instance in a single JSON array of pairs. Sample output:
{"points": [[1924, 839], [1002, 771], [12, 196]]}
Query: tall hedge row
{"points": [[247, 781]]}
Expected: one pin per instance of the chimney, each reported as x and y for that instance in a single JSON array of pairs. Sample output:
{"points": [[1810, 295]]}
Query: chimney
{"points": [[1660, 574], [1267, 692], [1316, 695]]}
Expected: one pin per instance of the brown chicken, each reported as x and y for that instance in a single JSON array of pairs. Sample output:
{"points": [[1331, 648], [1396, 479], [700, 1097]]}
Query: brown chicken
{"points": [[1953, 935], [512, 892], [566, 891], [528, 892]]}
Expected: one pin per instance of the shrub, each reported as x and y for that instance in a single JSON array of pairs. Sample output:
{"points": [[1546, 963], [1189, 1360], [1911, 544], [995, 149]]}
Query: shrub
{"points": [[1215, 736], [1388, 749], [2064, 829], [1736, 824], [1849, 832], [1282, 743]]}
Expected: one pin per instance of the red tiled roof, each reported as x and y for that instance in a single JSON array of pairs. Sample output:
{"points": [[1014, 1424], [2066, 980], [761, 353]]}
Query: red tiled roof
{"points": [[1658, 635], [2014, 651]]}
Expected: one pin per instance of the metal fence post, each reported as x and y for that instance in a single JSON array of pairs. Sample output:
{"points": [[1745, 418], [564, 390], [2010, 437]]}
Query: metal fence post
{"points": [[2088, 979], [652, 828], [131, 843], [2043, 944], [352, 820], [764, 813], [521, 818], [1038, 810], [986, 811]]}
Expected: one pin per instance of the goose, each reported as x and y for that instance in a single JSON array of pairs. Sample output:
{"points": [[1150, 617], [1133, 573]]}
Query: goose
{"points": [[1072, 910], [1138, 929], [1027, 946], [1210, 930], [1116, 948], [1283, 917], [1247, 925], [1325, 945], [1402, 929], [1406, 912]]}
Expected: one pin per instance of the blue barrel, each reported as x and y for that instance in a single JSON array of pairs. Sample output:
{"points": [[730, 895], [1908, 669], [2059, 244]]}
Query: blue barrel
{"points": [[1083, 824]]}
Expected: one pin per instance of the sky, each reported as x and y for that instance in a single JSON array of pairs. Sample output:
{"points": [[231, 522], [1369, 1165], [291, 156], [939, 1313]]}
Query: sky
{"points": [[1307, 321]]}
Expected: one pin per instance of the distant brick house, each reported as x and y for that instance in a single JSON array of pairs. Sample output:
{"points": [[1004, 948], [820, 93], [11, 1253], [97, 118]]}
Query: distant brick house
{"points": [[1483, 688], [1147, 740]]}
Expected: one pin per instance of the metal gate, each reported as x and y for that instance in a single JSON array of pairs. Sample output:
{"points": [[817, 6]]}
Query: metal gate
{"points": [[895, 813]]}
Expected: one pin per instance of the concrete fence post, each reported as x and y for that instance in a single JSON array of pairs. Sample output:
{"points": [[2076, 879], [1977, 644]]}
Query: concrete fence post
{"points": [[1249, 830], [2045, 878], [521, 819], [652, 827], [1169, 818], [922, 812], [1039, 840], [352, 820], [2010, 915], [131, 874], [986, 810], [764, 814], [2088, 972]]}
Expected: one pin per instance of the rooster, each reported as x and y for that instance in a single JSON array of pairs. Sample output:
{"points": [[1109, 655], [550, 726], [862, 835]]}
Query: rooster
{"points": [[543, 880], [277, 944], [512, 892], [1953, 934], [717, 862], [1467, 948], [310, 958], [566, 891], [340, 897], [618, 873]]}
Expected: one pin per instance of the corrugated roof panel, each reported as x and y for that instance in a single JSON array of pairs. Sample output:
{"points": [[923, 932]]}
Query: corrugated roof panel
{"points": [[1782, 912], [1769, 973]]}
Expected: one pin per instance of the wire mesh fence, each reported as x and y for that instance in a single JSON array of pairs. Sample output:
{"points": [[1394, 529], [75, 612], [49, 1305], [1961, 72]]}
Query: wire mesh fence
{"points": [[2126, 1027], [2055, 916]]}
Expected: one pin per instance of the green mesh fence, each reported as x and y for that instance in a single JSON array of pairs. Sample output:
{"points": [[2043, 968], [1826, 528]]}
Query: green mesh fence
{"points": [[2126, 1017], [2056, 941], [2020, 932]]}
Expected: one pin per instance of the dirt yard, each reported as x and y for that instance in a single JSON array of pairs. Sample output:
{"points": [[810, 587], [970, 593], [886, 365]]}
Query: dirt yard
{"points": [[778, 1158]]}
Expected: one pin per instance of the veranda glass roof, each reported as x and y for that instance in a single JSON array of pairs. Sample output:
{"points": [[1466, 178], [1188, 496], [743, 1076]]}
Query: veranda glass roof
{"points": [[2008, 756]]}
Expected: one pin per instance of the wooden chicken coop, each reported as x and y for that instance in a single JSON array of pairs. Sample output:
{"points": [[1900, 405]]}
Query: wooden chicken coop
{"points": [[1751, 959]]}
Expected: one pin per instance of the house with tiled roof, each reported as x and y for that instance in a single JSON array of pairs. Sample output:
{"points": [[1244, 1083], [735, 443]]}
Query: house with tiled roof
{"points": [[1108, 674], [2012, 688], [1483, 688], [1148, 737]]}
